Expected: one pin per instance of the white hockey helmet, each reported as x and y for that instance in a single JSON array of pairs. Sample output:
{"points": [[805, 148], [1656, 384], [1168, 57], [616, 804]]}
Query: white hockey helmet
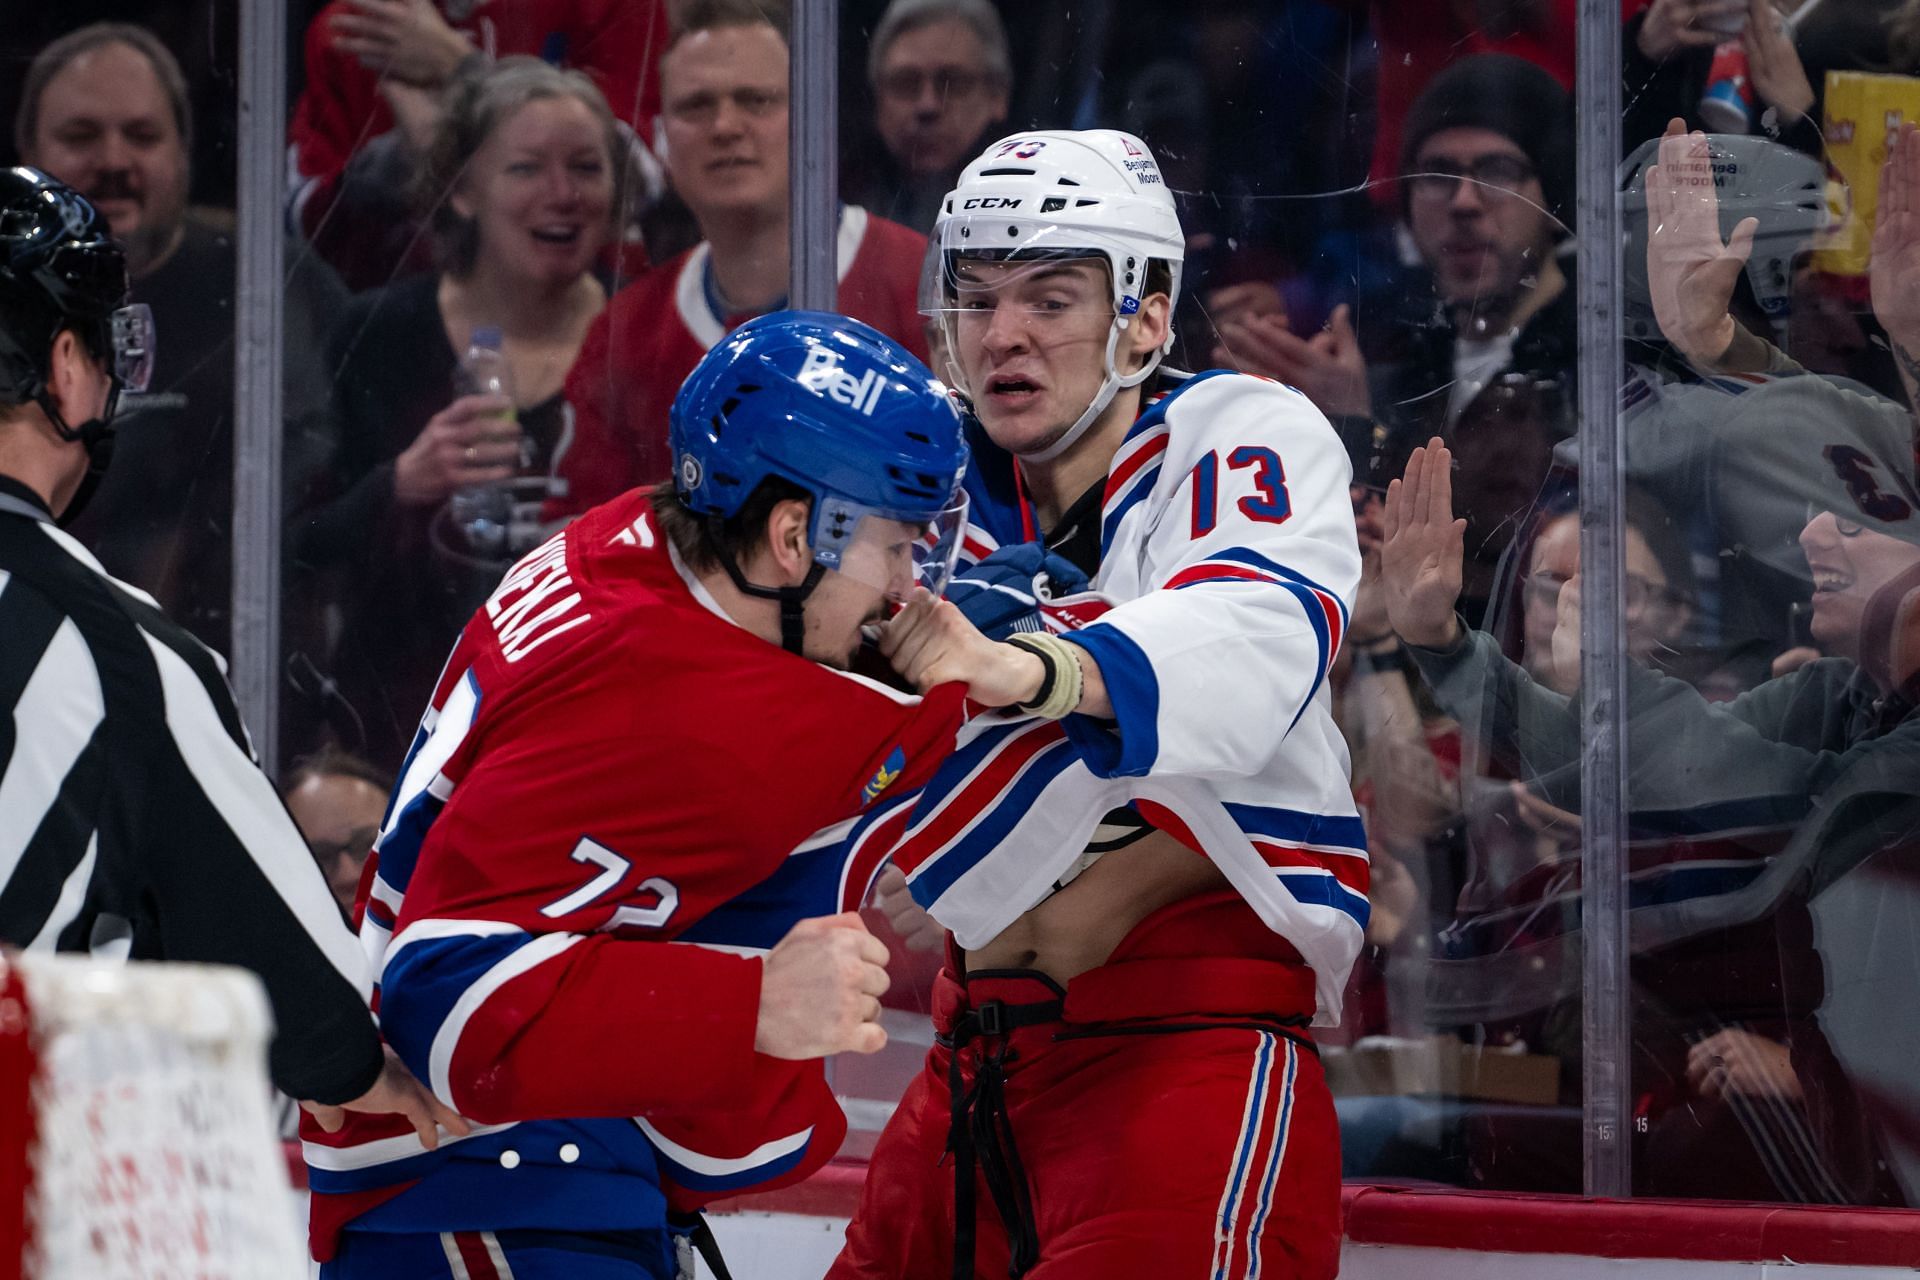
{"points": [[1049, 194]]}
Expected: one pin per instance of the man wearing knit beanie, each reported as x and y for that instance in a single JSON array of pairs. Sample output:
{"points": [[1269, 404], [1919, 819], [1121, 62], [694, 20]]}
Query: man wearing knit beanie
{"points": [[1486, 188]]}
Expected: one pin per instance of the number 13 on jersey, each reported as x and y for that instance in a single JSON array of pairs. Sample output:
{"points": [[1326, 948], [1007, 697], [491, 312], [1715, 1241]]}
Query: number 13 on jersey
{"points": [[1268, 503]]}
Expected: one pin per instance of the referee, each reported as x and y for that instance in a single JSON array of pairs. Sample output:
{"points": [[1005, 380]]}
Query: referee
{"points": [[133, 818]]}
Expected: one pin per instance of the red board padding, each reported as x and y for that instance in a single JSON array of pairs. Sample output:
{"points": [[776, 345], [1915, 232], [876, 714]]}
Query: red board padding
{"points": [[1687, 1230], [1489, 1222]]}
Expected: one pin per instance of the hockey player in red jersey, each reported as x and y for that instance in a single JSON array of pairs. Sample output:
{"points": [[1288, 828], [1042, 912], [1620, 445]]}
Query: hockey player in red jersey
{"points": [[610, 907], [1123, 1086], [724, 127]]}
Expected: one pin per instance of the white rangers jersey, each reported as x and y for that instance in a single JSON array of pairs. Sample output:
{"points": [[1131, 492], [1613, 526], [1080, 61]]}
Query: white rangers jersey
{"points": [[1228, 557]]}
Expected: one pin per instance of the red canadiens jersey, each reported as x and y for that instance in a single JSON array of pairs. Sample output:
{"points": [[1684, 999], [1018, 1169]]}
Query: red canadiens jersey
{"points": [[618, 800], [655, 331]]}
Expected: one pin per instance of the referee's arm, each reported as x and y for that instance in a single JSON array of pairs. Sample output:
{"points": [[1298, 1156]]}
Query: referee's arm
{"points": [[234, 883]]}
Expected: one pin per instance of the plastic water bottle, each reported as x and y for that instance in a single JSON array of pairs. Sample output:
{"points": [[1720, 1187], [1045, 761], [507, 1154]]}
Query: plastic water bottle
{"points": [[484, 512]]}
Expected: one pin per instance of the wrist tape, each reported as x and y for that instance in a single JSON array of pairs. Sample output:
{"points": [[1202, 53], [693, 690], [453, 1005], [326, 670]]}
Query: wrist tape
{"points": [[1064, 681]]}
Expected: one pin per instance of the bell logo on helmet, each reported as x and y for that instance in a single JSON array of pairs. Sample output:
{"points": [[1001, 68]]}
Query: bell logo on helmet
{"points": [[690, 472], [822, 375], [991, 202]]}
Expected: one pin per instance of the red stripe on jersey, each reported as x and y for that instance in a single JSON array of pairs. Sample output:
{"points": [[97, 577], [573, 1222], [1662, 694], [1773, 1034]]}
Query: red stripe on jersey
{"points": [[1349, 869], [473, 1253], [1131, 467], [1213, 572], [978, 795], [1335, 629], [872, 851]]}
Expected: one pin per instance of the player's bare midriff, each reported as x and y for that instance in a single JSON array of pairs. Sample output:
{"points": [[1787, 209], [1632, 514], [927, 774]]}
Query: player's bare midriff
{"points": [[1078, 928]]}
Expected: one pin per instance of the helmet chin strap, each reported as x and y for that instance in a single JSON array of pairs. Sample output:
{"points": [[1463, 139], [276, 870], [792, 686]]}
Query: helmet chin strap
{"points": [[1110, 385], [792, 600], [96, 437]]}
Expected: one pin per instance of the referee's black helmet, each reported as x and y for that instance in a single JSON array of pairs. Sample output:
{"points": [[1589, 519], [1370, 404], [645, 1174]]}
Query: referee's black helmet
{"points": [[60, 268]]}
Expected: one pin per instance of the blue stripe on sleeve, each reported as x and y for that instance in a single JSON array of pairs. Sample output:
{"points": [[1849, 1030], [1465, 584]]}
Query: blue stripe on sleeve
{"points": [[1295, 827], [426, 979], [939, 874], [1320, 890], [1130, 748]]}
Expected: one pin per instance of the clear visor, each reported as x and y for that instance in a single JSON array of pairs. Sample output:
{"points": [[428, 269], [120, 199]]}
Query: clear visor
{"points": [[1052, 295], [133, 339], [1043, 270], [888, 553]]}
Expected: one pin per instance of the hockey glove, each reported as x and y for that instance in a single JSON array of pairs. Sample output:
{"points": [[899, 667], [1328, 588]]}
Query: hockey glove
{"points": [[1002, 594]]}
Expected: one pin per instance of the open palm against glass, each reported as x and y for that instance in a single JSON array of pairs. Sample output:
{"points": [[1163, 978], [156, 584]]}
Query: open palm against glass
{"points": [[1691, 272]]}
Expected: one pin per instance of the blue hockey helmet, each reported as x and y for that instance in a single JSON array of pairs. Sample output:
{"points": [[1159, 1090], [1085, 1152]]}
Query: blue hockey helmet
{"points": [[844, 412]]}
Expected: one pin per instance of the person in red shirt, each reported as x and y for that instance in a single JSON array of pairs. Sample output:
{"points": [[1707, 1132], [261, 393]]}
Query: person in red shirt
{"points": [[724, 126]]}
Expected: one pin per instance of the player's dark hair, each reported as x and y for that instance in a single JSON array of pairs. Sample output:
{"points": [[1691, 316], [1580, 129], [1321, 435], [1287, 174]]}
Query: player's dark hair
{"points": [[713, 15], [706, 544]]}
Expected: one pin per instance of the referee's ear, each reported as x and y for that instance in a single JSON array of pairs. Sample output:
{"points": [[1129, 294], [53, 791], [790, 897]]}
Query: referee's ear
{"points": [[76, 379]]}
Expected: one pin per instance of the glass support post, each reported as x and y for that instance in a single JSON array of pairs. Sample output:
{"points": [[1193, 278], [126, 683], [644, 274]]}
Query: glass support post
{"points": [[257, 355], [814, 130], [1605, 1031]]}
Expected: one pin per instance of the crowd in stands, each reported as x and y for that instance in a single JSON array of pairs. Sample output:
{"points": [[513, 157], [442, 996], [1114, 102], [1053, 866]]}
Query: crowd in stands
{"points": [[1380, 203]]}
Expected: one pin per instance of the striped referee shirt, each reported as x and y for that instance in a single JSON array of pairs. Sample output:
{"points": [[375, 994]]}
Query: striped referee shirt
{"points": [[134, 819]]}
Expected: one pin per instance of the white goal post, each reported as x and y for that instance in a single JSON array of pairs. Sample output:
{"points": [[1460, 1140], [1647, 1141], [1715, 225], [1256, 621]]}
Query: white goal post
{"points": [[136, 1132]]}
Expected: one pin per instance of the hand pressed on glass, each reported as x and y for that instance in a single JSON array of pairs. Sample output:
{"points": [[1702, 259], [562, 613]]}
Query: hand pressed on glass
{"points": [[1690, 271]]}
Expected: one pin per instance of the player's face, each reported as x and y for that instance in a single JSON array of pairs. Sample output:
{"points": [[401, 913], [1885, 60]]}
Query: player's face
{"points": [[540, 191], [854, 595], [1030, 340], [1849, 564], [106, 129], [935, 97], [724, 103], [1482, 239]]}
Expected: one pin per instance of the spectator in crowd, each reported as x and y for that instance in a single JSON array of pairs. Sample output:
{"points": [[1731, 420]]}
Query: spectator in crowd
{"points": [[336, 800], [941, 81], [1487, 190], [724, 93], [1418, 41], [1729, 1059], [375, 72], [1667, 59], [521, 183], [105, 109]]}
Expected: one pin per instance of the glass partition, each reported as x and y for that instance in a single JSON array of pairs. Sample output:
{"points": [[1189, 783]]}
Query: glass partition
{"points": [[506, 248]]}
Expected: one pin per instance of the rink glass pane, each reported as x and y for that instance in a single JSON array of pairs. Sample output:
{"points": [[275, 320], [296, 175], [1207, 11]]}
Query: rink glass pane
{"points": [[161, 520], [1770, 556], [1770, 902]]}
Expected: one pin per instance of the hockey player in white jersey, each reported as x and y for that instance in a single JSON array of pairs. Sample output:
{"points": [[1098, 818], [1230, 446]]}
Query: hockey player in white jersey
{"points": [[1148, 857]]}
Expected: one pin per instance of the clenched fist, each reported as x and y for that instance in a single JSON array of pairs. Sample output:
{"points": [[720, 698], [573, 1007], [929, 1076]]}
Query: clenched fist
{"points": [[820, 991]]}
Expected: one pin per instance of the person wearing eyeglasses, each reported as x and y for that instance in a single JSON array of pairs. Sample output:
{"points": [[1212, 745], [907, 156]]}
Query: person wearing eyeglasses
{"points": [[1744, 813], [1486, 194], [337, 800], [941, 77], [723, 133]]}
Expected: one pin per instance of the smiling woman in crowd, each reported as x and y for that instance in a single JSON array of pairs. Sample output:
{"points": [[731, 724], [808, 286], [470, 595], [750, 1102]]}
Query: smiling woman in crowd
{"points": [[521, 185]]}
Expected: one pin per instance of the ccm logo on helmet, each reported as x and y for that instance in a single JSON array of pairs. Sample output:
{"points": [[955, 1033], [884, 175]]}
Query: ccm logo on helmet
{"points": [[991, 202], [823, 376]]}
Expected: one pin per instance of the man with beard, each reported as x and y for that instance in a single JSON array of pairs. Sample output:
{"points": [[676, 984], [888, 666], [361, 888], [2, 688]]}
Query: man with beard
{"points": [[105, 110], [1486, 190], [137, 822]]}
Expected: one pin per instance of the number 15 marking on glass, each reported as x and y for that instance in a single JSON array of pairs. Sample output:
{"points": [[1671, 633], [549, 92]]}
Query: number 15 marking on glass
{"points": [[1270, 505]]}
